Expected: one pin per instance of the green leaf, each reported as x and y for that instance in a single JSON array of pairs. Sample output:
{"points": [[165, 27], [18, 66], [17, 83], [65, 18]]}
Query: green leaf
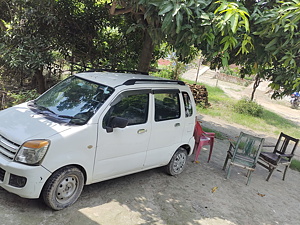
{"points": [[228, 15], [178, 22], [293, 62], [167, 21], [271, 43], [154, 2], [188, 12], [205, 16], [176, 9], [247, 27], [220, 8], [226, 46], [203, 3], [234, 25], [130, 29], [224, 61], [225, 39], [166, 8]]}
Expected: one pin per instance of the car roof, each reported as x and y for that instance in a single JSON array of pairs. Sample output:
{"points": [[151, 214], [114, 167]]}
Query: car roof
{"points": [[113, 79]]}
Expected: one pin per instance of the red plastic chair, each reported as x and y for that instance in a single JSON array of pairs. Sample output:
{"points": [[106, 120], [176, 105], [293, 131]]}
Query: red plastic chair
{"points": [[202, 138]]}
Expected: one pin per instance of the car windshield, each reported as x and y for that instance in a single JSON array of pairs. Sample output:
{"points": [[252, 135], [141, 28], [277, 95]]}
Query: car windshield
{"points": [[74, 99]]}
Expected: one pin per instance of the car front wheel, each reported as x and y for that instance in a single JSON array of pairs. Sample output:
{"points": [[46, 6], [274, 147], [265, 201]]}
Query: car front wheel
{"points": [[178, 162], [63, 188]]}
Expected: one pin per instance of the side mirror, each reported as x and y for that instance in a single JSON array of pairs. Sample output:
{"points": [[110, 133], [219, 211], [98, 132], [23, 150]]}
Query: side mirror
{"points": [[116, 122]]}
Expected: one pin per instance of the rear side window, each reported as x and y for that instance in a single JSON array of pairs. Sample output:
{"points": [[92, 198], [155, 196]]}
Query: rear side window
{"points": [[167, 106], [187, 104], [133, 107]]}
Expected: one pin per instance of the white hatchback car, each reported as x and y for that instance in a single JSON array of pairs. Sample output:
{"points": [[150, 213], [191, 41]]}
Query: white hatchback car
{"points": [[91, 127]]}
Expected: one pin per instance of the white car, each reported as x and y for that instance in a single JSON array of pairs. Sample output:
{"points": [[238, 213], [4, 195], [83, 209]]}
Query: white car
{"points": [[91, 127]]}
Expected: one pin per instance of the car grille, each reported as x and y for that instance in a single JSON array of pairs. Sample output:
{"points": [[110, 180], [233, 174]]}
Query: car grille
{"points": [[2, 173], [8, 148]]}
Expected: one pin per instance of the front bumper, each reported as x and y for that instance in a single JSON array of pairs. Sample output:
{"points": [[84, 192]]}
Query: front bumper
{"points": [[23, 180]]}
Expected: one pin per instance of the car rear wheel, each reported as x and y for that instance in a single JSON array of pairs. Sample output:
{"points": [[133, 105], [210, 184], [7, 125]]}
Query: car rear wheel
{"points": [[178, 162], [63, 188]]}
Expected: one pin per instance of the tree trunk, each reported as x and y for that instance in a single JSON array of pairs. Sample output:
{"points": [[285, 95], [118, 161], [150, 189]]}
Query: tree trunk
{"points": [[40, 81], [255, 86], [146, 54]]}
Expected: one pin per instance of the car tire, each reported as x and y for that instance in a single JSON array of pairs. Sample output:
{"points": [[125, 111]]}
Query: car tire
{"points": [[178, 162], [63, 188]]}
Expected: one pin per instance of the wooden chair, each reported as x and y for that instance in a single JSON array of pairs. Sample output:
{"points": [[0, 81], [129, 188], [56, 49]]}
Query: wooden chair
{"points": [[279, 156], [202, 138], [244, 153]]}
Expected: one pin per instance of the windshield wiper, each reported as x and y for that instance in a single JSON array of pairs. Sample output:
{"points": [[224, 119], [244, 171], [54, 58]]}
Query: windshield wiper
{"points": [[43, 108], [65, 116]]}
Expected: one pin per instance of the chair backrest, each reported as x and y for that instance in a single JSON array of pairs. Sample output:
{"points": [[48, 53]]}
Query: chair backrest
{"points": [[247, 148], [283, 143], [198, 131]]}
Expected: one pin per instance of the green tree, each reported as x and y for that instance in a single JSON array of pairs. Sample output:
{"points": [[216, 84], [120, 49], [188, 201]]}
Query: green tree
{"points": [[274, 46], [24, 50], [260, 36], [186, 25], [81, 32], [277, 28]]}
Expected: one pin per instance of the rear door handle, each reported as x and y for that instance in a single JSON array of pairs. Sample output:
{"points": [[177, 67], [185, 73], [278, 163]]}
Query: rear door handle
{"points": [[177, 125]]}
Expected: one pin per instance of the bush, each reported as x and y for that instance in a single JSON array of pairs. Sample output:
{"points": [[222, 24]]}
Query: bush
{"points": [[23, 96], [164, 73], [246, 106]]}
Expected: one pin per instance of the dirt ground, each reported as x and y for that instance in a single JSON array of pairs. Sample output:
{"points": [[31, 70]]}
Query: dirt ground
{"points": [[152, 197]]}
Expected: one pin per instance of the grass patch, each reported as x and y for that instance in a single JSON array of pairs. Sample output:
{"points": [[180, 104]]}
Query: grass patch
{"points": [[295, 165], [218, 134]]}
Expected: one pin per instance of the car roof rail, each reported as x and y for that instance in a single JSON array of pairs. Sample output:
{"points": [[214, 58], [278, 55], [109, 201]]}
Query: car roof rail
{"points": [[134, 81], [118, 71]]}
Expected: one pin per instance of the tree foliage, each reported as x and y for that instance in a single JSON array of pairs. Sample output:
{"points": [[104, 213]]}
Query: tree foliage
{"points": [[39, 34], [274, 52], [260, 36]]}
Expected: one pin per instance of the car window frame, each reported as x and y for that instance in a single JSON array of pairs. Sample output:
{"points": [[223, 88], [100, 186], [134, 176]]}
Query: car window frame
{"points": [[187, 104], [167, 91], [120, 97]]}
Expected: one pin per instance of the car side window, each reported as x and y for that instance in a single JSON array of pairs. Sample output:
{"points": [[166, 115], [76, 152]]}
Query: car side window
{"points": [[167, 106], [187, 104], [131, 106]]}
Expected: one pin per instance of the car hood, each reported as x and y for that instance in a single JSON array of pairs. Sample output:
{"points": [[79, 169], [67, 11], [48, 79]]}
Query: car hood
{"points": [[19, 124]]}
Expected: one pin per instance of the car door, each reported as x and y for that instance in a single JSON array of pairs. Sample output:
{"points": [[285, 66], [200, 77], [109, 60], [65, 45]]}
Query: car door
{"points": [[167, 127], [122, 151]]}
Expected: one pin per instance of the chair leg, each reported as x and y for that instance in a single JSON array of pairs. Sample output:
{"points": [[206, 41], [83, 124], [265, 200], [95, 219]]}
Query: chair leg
{"points": [[249, 176], [228, 171], [195, 147], [197, 153], [225, 163], [248, 173], [211, 149], [286, 167], [271, 171]]}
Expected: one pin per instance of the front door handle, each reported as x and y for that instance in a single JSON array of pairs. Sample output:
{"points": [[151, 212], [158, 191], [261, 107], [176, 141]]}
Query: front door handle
{"points": [[177, 125], [141, 131]]}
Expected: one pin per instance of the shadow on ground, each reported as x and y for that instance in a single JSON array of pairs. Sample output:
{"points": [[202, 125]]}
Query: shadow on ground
{"points": [[152, 197]]}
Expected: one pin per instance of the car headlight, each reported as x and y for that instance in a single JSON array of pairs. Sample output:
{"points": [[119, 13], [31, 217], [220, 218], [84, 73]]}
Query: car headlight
{"points": [[32, 152]]}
